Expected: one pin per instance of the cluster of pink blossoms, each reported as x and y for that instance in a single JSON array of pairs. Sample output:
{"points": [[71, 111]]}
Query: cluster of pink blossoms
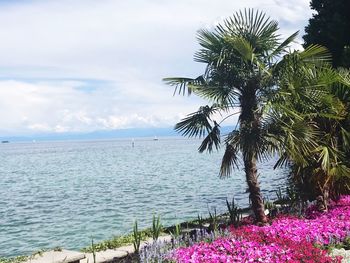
{"points": [[287, 239], [317, 227]]}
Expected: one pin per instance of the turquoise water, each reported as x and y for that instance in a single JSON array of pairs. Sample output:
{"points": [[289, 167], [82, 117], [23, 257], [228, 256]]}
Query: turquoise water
{"points": [[63, 193]]}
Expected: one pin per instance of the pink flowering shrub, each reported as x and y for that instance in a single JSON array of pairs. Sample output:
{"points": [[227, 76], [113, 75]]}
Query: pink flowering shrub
{"points": [[287, 239], [234, 250]]}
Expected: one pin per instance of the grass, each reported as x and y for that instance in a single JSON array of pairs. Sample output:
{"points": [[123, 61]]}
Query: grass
{"points": [[117, 241], [128, 239], [18, 259]]}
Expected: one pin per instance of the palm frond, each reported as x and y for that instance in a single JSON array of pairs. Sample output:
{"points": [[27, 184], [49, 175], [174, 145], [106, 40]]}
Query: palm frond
{"points": [[342, 88], [316, 53], [212, 47], [258, 29], [197, 124], [324, 157], [282, 161], [229, 161], [223, 95], [242, 46], [212, 139], [345, 138], [183, 85], [283, 46], [340, 171], [344, 75]]}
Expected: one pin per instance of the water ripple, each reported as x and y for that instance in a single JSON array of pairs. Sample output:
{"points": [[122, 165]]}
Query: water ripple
{"points": [[62, 193]]}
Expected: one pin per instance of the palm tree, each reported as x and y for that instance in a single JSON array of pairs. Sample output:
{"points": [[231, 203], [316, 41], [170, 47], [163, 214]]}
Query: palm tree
{"points": [[318, 97], [240, 55]]}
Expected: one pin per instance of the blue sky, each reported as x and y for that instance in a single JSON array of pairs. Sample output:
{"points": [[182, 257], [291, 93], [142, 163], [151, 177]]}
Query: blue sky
{"points": [[83, 65]]}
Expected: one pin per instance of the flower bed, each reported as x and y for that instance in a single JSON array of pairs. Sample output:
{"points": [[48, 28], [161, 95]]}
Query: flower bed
{"points": [[246, 250], [287, 239]]}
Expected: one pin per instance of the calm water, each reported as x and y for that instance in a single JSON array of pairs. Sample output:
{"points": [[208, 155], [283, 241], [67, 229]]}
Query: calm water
{"points": [[62, 193]]}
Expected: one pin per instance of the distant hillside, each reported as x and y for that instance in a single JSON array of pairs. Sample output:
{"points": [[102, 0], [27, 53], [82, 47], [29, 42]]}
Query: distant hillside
{"points": [[97, 135]]}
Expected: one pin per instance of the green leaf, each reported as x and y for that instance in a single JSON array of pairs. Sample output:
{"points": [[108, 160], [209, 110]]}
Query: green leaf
{"points": [[183, 85], [229, 160], [212, 139], [197, 124]]}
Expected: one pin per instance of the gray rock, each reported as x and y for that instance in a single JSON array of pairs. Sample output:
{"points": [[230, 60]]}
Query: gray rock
{"points": [[342, 252]]}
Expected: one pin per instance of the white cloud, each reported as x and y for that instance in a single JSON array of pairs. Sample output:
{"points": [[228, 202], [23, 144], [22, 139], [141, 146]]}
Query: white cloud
{"points": [[60, 107], [85, 65]]}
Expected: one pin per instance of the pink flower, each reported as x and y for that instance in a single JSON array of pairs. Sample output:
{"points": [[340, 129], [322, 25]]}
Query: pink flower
{"points": [[287, 239]]}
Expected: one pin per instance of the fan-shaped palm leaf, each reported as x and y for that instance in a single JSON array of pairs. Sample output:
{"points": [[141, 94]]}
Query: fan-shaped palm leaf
{"points": [[212, 139], [183, 85], [230, 159], [197, 124]]}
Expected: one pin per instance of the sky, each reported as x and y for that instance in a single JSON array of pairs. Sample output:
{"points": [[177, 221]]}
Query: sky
{"points": [[86, 65]]}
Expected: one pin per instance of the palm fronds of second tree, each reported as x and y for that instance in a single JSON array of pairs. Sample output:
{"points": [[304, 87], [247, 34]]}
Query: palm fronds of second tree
{"points": [[245, 64], [309, 116]]}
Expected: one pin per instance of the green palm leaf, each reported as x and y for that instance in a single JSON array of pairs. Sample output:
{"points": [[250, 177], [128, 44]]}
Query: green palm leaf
{"points": [[229, 161], [197, 124], [315, 53], [243, 47], [282, 48], [183, 85], [212, 139]]}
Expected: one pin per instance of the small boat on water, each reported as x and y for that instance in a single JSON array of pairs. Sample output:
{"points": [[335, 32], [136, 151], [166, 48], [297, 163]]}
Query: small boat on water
{"points": [[155, 138], [4, 141]]}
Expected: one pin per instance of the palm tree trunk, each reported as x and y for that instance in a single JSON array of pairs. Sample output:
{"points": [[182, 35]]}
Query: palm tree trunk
{"points": [[254, 189], [250, 128]]}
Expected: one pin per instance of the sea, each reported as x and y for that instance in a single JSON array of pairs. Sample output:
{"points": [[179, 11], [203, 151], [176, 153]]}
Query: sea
{"points": [[65, 193]]}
